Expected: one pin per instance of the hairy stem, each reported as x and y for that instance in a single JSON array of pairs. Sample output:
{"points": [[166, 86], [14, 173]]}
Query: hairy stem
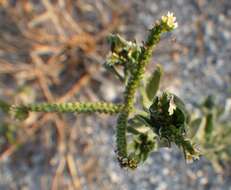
{"points": [[132, 85], [21, 112]]}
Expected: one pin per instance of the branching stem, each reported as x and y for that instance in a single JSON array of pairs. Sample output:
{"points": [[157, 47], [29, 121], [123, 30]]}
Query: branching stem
{"points": [[132, 85]]}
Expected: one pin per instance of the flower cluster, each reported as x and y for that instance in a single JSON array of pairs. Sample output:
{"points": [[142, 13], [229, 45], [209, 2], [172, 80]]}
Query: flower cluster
{"points": [[169, 20]]}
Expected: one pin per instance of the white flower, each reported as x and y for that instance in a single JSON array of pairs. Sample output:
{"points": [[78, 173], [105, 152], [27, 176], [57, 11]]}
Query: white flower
{"points": [[172, 106], [170, 20]]}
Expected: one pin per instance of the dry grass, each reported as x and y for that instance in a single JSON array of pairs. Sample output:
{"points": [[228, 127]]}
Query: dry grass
{"points": [[47, 53]]}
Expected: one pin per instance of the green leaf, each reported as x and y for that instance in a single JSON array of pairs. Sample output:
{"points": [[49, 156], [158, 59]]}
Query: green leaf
{"points": [[146, 103], [153, 82], [200, 133], [133, 130], [181, 106], [194, 127], [4, 106], [209, 126], [141, 119], [209, 102]]}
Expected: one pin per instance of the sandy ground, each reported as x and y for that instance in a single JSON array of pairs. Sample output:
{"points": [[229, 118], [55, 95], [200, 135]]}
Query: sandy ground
{"points": [[196, 59]]}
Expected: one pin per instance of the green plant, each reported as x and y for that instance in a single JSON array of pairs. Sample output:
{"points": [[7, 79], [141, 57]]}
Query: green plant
{"points": [[212, 129], [161, 121]]}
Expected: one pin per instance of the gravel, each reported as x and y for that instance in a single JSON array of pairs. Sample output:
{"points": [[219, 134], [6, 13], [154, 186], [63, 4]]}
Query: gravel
{"points": [[197, 63], [196, 58]]}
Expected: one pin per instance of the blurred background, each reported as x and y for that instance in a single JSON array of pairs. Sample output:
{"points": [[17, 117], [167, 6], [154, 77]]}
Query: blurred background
{"points": [[55, 50]]}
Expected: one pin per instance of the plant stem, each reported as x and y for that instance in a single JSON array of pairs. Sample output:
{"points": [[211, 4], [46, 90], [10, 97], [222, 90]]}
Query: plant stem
{"points": [[132, 85], [21, 112]]}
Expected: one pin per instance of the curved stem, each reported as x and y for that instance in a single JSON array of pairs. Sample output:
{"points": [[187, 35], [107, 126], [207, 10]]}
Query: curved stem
{"points": [[78, 107], [21, 112], [133, 83]]}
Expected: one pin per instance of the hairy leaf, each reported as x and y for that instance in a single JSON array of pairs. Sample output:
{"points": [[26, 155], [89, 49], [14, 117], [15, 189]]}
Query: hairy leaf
{"points": [[209, 125], [153, 82]]}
